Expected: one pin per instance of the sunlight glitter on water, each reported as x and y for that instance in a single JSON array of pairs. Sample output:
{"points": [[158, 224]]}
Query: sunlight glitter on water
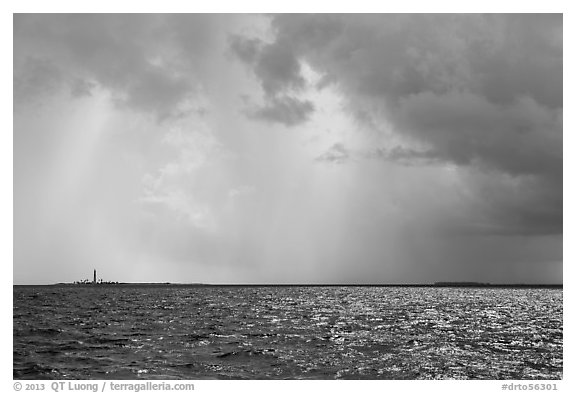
{"points": [[287, 333]]}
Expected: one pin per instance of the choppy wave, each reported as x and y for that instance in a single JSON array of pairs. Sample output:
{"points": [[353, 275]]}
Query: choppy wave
{"points": [[287, 333]]}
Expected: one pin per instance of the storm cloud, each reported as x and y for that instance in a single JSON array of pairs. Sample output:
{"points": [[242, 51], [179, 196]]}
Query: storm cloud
{"points": [[476, 91]]}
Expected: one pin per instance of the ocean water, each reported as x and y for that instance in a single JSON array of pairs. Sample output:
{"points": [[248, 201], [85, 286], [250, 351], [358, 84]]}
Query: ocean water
{"points": [[286, 333]]}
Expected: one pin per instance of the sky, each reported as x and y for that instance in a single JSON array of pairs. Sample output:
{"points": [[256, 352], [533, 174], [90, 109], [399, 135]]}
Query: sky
{"points": [[319, 148]]}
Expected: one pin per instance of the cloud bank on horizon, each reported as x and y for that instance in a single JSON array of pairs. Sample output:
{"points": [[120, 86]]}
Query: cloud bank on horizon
{"points": [[314, 148]]}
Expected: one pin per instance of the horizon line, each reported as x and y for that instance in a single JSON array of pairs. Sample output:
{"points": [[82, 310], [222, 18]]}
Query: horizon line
{"points": [[434, 284]]}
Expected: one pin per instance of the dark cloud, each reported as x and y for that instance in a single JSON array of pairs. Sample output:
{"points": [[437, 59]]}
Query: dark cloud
{"points": [[154, 91], [275, 65], [149, 63], [406, 156], [523, 138], [468, 85], [340, 153], [482, 92], [37, 78], [284, 110], [81, 87], [511, 205], [337, 153], [392, 56], [278, 70], [247, 49]]}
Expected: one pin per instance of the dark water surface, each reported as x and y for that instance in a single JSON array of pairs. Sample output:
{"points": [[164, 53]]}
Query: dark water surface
{"points": [[286, 333]]}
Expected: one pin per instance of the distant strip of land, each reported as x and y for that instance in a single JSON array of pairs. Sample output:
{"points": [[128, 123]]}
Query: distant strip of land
{"points": [[446, 284]]}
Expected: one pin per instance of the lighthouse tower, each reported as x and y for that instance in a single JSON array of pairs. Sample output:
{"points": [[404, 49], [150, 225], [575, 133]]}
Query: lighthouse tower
{"points": [[94, 282]]}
